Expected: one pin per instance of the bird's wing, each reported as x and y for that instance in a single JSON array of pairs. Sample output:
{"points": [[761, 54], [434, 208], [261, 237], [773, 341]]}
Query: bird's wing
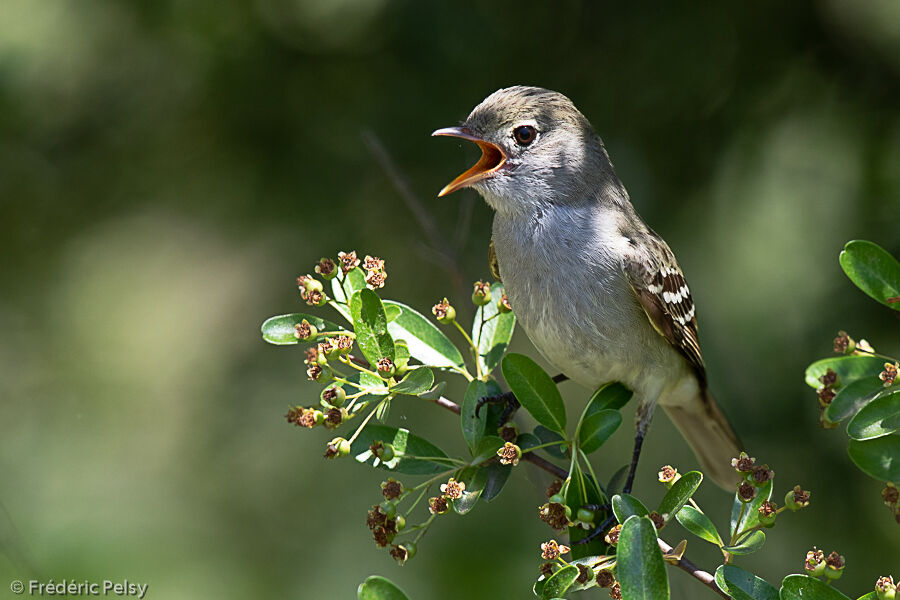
{"points": [[493, 265], [660, 287]]}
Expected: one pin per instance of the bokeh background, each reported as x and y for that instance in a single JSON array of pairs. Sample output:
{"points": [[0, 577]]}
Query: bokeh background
{"points": [[167, 168]]}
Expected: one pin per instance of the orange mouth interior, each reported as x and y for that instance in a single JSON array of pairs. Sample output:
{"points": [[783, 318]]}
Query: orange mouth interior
{"points": [[492, 158]]}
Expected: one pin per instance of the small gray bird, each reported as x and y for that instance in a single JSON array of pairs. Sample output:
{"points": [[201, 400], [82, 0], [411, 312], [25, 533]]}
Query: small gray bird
{"points": [[599, 294]]}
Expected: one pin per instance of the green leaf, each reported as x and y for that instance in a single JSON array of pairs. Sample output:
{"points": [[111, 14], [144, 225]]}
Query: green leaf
{"points": [[471, 496], [403, 442], [487, 449], [379, 588], [527, 440], [279, 330], [557, 584], [804, 587], [848, 368], [581, 489], [678, 495], [741, 585], [489, 480], [372, 384], [625, 505], [473, 427], [496, 333], [370, 324], [354, 281], [873, 270], [640, 568], [751, 513], [617, 481], [852, 397], [878, 458], [878, 418], [869, 596], [699, 524], [427, 343], [392, 311], [546, 436], [535, 390], [611, 396], [595, 429], [749, 544], [417, 381]]}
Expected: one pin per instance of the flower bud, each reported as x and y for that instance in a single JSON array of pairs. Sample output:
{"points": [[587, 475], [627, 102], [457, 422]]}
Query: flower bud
{"points": [[814, 565], [410, 549], [509, 454], [746, 492], [503, 305], [612, 536], [445, 313], [555, 514], [386, 367], [305, 332], [338, 447], [386, 453], [885, 588], [557, 498], [391, 489], [761, 475], [334, 396], [743, 463], [767, 513], [438, 505], [584, 515], [313, 285], [482, 293], [796, 499], [508, 432], [326, 268], [389, 509], [400, 521], [669, 475], [844, 344], [834, 566]]}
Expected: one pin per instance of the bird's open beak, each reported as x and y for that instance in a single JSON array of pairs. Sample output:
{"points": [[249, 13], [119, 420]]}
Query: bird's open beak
{"points": [[492, 158]]}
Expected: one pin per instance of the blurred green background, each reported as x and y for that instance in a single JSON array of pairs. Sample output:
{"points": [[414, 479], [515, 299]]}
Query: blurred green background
{"points": [[168, 167]]}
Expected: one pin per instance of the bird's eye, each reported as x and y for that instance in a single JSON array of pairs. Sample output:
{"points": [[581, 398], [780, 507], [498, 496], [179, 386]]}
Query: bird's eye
{"points": [[524, 134]]}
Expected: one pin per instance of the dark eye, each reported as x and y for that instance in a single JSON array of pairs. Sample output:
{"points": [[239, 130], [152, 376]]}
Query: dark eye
{"points": [[524, 135]]}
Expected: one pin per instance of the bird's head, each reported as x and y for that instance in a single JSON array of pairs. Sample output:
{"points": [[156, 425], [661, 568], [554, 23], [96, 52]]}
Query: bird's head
{"points": [[536, 148]]}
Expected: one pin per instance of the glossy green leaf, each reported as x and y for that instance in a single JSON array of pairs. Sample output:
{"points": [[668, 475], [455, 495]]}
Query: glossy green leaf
{"points": [[535, 391], [416, 381], [617, 481], [804, 587], [370, 324], [852, 397], [848, 368], [279, 330], [473, 427], [595, 429], [581, 490], [741, 585], [557, 584], [379, 588], [487, 449], [404, 442], [626, 505], [392, 311], [748, 544], [354, 281], [546, 436], [698, 523], [527, 440], [678, 495], [640, 568], [493, 337], [489, 480], [372, 384], [470, 496], [869, 596], [878, 458], [611, 396], [751, 514], [878, 418], [427, 344], [873, 270]]}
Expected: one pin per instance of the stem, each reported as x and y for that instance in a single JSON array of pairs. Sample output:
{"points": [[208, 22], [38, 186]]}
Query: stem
{"points": [[472, 346], [421, 495], [425, 527], [348, 382], [352, 364], [433, 458], [694, 571], [557, 442], [365, 421], [349, 334], [737, 524], [591, 471], [463, 372]]}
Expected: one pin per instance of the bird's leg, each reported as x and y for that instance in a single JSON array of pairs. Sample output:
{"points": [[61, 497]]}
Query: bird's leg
{"points": [[638, 442], [508, 398]]}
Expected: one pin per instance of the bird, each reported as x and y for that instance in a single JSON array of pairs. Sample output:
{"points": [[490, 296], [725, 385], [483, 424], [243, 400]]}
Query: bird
{"points": [[597, 291]]}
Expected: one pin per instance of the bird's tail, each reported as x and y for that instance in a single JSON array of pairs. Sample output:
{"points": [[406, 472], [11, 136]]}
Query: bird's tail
{"points": [[710, 435]]}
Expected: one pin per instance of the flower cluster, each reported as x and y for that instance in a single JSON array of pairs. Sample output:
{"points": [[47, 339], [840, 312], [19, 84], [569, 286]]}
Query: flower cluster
{"points": [[375, 272]]}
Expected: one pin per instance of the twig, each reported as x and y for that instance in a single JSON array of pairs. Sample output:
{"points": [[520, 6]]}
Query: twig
{"points": [[437, 242], [694, 571], [545, 465], [448, 404]]}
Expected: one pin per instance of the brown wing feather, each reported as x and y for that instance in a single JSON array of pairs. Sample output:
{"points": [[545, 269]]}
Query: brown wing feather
{"points": [[663, 293]]}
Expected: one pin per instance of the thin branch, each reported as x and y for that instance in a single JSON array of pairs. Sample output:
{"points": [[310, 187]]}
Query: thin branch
{"points": [[448, 404], [694, 571], [545, 465], [436, 239]]}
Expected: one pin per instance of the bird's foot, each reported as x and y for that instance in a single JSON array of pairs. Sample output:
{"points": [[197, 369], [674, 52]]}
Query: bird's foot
{"points": [[508, 398]]}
